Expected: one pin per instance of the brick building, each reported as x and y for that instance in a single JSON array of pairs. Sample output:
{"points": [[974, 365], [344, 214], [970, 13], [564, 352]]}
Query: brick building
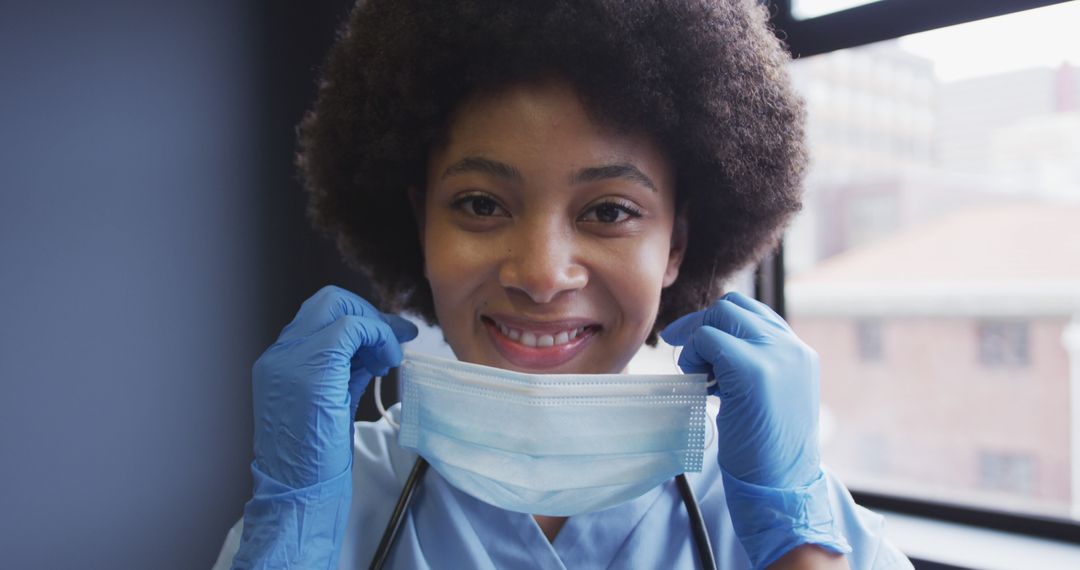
{"points": [[951, 358]]}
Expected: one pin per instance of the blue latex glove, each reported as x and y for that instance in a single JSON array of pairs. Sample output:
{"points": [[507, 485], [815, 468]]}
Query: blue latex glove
{"points": [[306, 388], [767, 381]]}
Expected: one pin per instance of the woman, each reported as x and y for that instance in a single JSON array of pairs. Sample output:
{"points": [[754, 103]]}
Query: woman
{"points": [[552, 183]]}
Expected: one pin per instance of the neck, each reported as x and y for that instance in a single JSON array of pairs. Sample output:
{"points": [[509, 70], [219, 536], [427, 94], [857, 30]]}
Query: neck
{"points": [[550, 526]]}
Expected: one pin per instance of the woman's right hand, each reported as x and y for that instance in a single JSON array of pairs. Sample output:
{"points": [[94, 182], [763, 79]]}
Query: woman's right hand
{"points": [[308, 384]]}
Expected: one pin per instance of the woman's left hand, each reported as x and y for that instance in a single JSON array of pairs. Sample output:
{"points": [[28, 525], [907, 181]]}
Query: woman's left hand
{"points": [[767, 380]]}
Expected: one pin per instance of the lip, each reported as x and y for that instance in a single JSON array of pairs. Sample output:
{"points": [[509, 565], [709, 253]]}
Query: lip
{"points": [[538, 358]]}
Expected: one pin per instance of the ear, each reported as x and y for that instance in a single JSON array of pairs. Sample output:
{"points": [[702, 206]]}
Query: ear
{"points": [[416, 200], [679, 238]]}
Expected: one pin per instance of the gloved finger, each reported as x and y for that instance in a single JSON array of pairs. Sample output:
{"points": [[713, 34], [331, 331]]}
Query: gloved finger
{"points": [[324, 308], [403, 329], [369, 342], [692, 362], [723, 315], [677, 332], [377, 346], [372, 345], [728, 357], [755, 306]]}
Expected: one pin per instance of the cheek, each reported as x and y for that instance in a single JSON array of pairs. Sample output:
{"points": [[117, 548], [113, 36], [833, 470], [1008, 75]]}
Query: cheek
{"points": [[635, 276], [444, 286], [455, 265]]}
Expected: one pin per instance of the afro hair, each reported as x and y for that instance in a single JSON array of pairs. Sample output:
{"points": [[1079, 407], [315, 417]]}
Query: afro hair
{"points": [[705, 78]]}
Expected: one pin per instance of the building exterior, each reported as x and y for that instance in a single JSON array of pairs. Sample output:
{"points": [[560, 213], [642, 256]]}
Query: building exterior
{"points": [[936, 269], [950, 357], [892, 147], [977, 119], [870, 129]]}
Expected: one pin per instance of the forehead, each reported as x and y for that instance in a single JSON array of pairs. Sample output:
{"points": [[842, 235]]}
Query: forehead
{"points": [[543, 127]]}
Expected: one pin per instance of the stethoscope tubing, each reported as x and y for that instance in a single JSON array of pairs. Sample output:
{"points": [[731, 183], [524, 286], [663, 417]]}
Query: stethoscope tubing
{"points": [[697, 521], [391, 531]]}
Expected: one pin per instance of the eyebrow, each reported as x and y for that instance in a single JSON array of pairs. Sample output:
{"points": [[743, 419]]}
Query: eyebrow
{"points": [[608, 171], [483, 166], [591, 174]]}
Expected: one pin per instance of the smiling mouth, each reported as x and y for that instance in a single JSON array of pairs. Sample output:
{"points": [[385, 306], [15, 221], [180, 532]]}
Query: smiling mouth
{"points": [[541, 340], [540, 346]]}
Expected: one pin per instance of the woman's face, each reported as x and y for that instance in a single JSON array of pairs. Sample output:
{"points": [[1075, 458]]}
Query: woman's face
{"points": [[547, 238]]}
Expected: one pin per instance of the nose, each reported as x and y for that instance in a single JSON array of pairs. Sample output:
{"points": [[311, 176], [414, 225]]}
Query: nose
{"points": [[543, 260]]}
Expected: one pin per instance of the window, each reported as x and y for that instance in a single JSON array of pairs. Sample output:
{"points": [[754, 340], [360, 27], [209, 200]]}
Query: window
{"points": [[870, 345], [938, 242], [1011, 472], [1003, 344]]}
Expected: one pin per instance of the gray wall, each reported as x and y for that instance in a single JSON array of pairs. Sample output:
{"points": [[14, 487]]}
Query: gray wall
{"points": [[152, 242]]}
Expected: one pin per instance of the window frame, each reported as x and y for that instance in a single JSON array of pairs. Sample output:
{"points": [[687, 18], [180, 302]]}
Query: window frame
{"points": [[883, 20], [861, 25]]}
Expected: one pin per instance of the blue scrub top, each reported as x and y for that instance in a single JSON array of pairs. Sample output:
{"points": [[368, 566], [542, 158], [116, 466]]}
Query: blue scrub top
{"points": [[445, 528]]}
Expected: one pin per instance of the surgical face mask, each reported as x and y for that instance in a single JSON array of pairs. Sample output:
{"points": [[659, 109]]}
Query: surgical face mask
{"points": [[551, 444]]}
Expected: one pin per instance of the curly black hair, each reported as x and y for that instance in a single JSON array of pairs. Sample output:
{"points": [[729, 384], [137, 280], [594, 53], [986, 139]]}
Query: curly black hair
{"points": [[705, 78]]}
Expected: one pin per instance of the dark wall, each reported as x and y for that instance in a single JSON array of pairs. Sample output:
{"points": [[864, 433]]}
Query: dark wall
{"points": [[152, 243]]}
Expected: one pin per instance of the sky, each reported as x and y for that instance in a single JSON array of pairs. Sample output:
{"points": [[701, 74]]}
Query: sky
{"points": [[1043, 37]]}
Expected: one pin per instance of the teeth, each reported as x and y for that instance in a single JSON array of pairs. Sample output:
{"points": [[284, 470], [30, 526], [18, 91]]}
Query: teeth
{"points": [[542, 340]]}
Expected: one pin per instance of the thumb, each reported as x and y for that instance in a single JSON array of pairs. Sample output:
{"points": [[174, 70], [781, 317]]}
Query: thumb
{"points": [[358, 383]]}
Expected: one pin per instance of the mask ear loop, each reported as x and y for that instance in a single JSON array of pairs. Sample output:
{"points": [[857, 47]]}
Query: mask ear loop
{"points": [[379, 404]]}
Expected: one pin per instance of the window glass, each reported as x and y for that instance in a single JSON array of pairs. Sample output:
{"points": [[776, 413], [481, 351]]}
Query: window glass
{"points": [[935, 266], [805, 9]]}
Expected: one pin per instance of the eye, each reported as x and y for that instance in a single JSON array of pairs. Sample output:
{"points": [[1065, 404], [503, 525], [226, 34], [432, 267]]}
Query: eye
{"points": [[611, 213], [479, 205]]}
